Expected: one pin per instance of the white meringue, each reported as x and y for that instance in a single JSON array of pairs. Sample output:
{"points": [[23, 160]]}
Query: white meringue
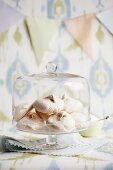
{"points": [[34, 122], [81, 120], [79, 117], [46, 105], [63, 121], [72, 105], [20, 111]]}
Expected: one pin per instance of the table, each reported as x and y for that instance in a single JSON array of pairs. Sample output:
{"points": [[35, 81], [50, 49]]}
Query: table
{"points": [[97, 159]]}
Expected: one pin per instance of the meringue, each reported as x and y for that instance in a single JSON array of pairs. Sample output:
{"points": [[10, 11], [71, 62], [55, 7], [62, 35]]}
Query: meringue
{"points": [[20, 111], [48, 105], [63, 120], [32, 121]]}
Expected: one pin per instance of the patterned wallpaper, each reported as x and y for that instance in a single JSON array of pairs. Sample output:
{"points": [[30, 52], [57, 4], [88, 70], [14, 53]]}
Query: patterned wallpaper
{"points": [[59, 8], [70, 34]]}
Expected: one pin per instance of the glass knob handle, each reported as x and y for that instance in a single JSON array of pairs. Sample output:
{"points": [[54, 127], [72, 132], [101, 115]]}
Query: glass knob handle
{"points": [[51, 67]]}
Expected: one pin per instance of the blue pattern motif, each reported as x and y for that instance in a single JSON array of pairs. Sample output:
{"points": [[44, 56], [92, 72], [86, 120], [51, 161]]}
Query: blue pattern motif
{"points": [[17, 3], [100, 5], [16, 69], [43, 8], [60, 60], [65, 8], [53, 166], [101, 77], [109, 167], [1, 82]]}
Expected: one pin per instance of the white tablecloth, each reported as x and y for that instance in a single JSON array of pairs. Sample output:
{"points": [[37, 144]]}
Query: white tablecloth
{"points": [[100, 158]]}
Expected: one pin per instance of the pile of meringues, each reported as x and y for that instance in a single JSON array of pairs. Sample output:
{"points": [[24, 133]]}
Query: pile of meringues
{"points": [[50, 114]]}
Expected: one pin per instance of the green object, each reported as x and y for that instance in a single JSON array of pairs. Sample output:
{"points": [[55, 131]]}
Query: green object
{"points": [[3, 37], [23, 156], [59, 4], [3, 117], [100, 34], [72, 46], [17, 36], [94, 129], [41, 33]]}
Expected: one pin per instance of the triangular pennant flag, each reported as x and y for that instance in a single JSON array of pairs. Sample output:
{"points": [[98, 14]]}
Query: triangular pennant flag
{"points": [[8, 17], [106, 18], [82, 31], [41, 34]]}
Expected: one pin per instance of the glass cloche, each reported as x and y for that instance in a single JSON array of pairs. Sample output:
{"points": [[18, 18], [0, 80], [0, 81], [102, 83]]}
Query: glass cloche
{"points": [[52, 103]]}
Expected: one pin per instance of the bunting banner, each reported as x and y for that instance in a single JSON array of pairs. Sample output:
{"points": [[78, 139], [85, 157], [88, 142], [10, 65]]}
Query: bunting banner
{"points": [[59, 8], [8, 17], [86, 31], [82, 30], [106, 18]]}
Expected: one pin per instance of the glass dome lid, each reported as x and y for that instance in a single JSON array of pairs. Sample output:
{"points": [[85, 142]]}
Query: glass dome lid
{"points": [[51, 104], [54, 103]]}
